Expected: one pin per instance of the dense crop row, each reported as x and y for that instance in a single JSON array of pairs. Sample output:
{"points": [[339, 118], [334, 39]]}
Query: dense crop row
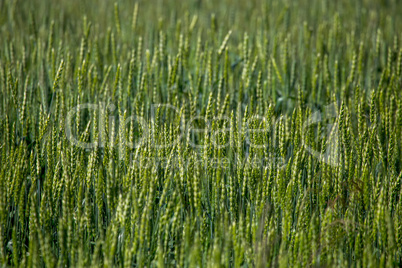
{"points": [[196, 134]]}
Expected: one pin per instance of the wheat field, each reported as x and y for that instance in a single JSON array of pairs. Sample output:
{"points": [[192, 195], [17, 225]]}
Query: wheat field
{"points": [[200, 133]]}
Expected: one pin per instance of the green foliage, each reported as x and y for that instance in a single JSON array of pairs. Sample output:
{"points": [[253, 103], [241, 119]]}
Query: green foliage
{"points": [[166, 133]]}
